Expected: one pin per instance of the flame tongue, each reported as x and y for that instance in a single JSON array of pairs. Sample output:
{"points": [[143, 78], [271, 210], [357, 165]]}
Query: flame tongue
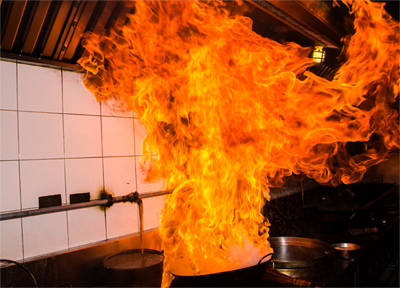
{"points": [[228, 117]]}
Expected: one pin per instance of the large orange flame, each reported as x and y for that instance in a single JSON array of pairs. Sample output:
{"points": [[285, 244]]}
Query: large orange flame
{"points": [[228, 117]]}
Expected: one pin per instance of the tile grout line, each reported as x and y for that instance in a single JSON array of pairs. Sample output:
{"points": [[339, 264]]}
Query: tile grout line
{"points": [[136, 179], [10, 110], [102, 164], [69, 158], [134, 149], [65, 164], [73, 114], [19, 161]]}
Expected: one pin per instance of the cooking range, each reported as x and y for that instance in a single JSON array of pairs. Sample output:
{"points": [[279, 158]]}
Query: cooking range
{"points": [[339, 216], [332, 215], [304, 254]]}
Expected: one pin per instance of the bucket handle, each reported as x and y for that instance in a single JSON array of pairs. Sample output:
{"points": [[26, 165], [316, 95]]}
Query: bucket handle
{"points": [[259, 262]]}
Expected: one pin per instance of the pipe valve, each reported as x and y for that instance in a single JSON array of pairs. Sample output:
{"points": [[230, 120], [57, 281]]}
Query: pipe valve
{"points": [[132, 197]]}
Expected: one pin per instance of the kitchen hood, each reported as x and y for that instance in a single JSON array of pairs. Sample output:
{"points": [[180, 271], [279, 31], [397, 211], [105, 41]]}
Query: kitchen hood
{"points": [[50, 32]]}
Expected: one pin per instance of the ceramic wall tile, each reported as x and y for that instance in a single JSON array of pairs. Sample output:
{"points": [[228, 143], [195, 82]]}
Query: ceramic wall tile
{"points": [[62, 154], [39, 89], [152, 212], [84, 175], [82, 136], [142, 185], [121, 219], [117, 136], [41, 178], [119, 175], [8, 135], [11, 239], [8, 85], [140, 134], [86, 226], [44, 234], [40, 135], [77, 99], [115, 108], [9, 186]]}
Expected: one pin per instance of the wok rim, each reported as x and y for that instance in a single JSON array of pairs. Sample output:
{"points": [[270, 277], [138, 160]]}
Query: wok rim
{"points": [[226, 272], [123, 252]]}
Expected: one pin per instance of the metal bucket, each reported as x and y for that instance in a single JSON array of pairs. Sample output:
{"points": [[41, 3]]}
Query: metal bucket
{"points": [[131, 268]]}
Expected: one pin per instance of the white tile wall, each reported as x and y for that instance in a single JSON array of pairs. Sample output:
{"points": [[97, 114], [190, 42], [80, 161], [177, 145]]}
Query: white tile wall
{"points": [[115, 108], [77, 99], [120, 179], [84, 175], [41, 178], [9, 186], [122, 220], [86, 226], [40, 135], [140, 134], [57, 139], [142, 186], [39, 89], [8, 84], [11, 239], [119, 175], [82, 136], [44, 234], [118, 136], [152, 209], [9, 135]]}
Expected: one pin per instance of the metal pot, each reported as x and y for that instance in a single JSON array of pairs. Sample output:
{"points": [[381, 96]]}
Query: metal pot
{"points": [[230, 278], [128, 269], [346, 250], [297, 252], [300, 257]]}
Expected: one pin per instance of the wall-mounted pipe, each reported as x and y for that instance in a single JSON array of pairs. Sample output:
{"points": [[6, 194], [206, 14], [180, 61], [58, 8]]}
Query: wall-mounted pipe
{"points": [[132, 197]]}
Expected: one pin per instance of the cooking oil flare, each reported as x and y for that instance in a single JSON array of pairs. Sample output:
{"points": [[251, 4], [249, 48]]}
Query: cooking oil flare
{"points": [[140, 205], [228, 117]]}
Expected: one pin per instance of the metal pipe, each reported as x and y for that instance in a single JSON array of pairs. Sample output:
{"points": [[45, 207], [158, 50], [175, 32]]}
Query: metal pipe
{"points": [[379, 197], [154, 194], [132, 197], [54, 209], [373, 201]]}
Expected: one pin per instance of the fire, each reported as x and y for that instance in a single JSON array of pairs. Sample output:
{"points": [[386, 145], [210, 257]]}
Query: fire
{"points": [[228, 117]]}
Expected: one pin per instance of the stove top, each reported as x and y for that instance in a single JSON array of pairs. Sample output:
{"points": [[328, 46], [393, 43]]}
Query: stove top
{"points": [[345, 214]]}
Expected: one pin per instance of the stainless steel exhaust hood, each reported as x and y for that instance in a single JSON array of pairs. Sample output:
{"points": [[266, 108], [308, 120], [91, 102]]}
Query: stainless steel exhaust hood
{"points": [[49, 32]]}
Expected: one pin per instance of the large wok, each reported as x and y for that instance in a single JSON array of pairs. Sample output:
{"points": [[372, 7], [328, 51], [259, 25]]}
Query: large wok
{"points": [[230, 278]]}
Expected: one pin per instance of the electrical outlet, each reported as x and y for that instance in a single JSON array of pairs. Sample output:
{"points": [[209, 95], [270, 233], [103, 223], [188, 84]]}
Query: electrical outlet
{"points": [[79, 198], [50, 201]]}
